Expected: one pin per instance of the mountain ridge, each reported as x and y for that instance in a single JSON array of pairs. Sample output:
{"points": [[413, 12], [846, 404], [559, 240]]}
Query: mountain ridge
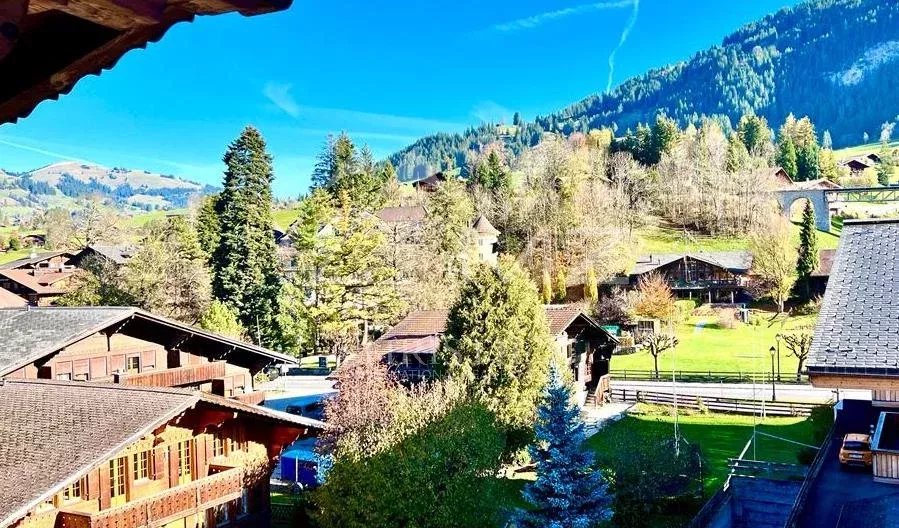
{"points": [[790, 61], [65, 183]]}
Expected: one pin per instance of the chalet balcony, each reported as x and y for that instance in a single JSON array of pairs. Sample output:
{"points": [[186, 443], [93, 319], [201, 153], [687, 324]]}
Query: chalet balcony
{"points": [[171, 504], [176, 377], [705, 284]]}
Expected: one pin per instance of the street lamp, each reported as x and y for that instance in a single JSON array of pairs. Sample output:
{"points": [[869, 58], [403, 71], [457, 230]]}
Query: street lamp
{"points": [[778, 338], [773, 387]]}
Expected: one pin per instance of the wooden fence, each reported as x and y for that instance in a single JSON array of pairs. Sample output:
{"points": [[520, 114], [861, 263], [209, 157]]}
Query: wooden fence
{"points": [[705, 376], [712, 403]]}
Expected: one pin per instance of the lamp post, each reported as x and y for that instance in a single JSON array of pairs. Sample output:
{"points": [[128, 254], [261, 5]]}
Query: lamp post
{"points": [[778, 338], [773, 386]]}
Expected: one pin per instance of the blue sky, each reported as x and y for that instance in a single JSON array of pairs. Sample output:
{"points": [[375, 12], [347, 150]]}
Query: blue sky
{"points": [[386, 72]]}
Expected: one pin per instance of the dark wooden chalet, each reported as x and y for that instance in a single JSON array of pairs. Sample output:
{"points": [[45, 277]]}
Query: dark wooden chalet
{"points": [[430, 183], [715, 277], [130, 347], [411, 345], [89, 455]]}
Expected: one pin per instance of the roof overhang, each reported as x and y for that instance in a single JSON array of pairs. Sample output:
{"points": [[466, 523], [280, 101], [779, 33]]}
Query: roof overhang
{"points": [[47, 46]]}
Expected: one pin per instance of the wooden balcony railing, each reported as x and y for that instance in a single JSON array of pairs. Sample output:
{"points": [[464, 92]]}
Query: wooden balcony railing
{"points": [[251, 398], [181, 501], [189, 375]]}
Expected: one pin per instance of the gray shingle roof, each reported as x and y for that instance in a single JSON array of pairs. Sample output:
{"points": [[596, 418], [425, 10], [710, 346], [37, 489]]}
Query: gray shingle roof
{"points": [[735, 261], [54, 432], [29, 260], [29, 334], [858, 327], [32, 333]]}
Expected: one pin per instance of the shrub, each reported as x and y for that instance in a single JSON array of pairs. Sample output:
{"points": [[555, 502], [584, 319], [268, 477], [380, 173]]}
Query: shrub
{"points": [[727, 318], [812, 307], [686, 306]]}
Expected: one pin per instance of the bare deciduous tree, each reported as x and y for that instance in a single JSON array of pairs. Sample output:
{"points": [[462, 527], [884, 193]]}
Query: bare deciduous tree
{"points": [[657, 343], [799, 343], [773, 262]]}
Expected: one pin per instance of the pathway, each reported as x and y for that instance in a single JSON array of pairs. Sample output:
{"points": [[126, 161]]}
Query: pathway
{"points": [[595, 418]]}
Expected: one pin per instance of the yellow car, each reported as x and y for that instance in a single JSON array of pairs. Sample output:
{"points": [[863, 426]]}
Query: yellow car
{"points": [[856, 450]]}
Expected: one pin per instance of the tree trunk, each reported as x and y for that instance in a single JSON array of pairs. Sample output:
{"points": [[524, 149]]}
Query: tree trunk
{"points": [[799, 369], [655, 360]]}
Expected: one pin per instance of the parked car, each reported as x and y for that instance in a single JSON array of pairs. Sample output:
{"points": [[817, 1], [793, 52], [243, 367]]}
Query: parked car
{"points": [[856, 450]]}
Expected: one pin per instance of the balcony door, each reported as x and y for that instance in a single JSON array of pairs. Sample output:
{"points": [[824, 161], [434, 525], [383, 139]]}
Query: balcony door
{"points": [[117, 482], [185, 473]]}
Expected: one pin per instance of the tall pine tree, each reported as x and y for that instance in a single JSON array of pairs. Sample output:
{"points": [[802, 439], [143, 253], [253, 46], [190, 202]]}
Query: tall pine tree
{"points": [[568, 492], [786, 157], [808, 247], [245, 274]]}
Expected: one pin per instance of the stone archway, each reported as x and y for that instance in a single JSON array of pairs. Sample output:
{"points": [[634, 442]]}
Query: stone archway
{"points": [[818, 199]]}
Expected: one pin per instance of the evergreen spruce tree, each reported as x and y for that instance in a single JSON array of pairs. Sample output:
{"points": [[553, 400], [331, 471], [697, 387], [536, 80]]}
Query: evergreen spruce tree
{"points": [[497, 332], [245, 274], [560, 292], [786, 157], [591, 290], [808, 247], [568, 492], [807, 164], [546, 287], [737, 156]]}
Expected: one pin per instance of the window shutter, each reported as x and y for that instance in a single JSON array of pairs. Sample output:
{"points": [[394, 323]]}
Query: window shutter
{"points": [[93, 485], [104, 485], [200, 456], [173, 465], [159, 463]]}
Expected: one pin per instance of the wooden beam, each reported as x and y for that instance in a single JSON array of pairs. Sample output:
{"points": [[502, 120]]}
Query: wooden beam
{"points": [[120, 15], [846, 381], [11, 14]]}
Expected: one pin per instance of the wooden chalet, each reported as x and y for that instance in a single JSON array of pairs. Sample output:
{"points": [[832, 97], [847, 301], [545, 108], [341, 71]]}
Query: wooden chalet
{"points": [[88, 455], [412, 344], [856, 340], [430, 183], [714, 277], [857, 165], [112, 254], [128, 346], [37, 287], [47, 46], [49, 261]]}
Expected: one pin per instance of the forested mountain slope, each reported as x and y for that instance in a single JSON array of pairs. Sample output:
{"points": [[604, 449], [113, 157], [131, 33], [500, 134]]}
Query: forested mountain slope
{"points": [[836, 61]]}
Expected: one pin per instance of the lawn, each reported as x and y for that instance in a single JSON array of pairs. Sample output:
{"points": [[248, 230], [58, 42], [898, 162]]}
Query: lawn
{"points": [[10, 256], [719, 437], [656, 239], [284, 217], [706, 346]]}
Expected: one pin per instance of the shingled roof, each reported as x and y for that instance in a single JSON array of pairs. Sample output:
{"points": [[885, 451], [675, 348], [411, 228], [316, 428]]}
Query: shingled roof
{"points": [[734, 261], [31, 260], [47, 46], [31, 333], [858, 326], [54, 432]]}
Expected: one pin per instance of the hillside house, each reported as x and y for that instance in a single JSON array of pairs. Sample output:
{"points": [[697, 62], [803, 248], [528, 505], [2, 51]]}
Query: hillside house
{"points": [[113, 254], [86, 455], [128, 346], [858, 164], [714, 277], [412, 344], [430, 183], [486, 239], [49, 261]]}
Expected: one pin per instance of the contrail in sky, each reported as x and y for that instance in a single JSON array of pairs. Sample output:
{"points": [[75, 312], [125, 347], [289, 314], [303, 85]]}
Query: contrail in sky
{"points": [[625, 33]]}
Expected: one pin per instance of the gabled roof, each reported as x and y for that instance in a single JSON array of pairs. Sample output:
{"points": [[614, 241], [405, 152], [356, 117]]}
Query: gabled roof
{"points": [[814, 185], [733, 261], [39, 65], [9, 299], [30, 334], [483, 226], [419, 331], [825, 263], [116, 254], [54, 432], [30, 261], [407, 214], [858, 326], [430, 181], [41, 284]]}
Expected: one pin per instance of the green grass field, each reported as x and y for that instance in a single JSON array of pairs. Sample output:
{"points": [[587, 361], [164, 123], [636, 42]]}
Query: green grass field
{"points": [[706, 346], [284, 217], [656, 239], [719, 437]]}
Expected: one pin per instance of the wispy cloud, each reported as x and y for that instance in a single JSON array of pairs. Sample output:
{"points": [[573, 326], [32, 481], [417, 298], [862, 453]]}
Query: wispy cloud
{"points": [[373, 124], [55, 152], [539, 19], [491, 112], [279, 94], [625, 33], [43, 151]]}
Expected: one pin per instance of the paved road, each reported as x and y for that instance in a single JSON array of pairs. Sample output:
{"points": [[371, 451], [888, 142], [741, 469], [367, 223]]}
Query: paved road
{"points": [[785, 392]]}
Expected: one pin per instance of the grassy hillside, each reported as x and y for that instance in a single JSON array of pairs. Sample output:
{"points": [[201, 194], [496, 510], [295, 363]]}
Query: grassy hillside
{"points": [[657, 239]]}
